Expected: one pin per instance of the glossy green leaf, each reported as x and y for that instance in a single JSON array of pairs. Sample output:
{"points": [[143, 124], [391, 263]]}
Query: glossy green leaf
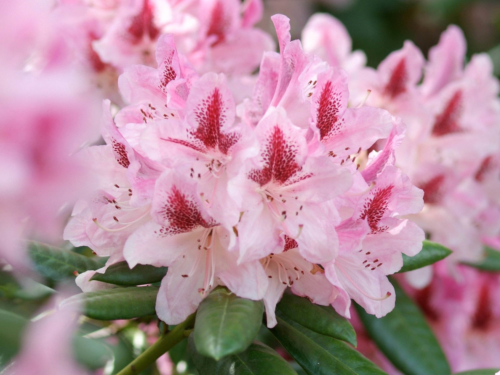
{"points": [[405, 338], [112, 304], [320, 319], [90, 353], [431, 253], [226, 324], [490, 261], [58, 264], [257, 359], [121, 274], [11, 332], [486, 371], [319, 354]]}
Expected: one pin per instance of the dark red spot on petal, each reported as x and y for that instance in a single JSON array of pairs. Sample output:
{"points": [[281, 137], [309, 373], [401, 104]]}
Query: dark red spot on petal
{"points": [[397, 83], [290, 244], [211, 114], [120, 153], [167, 72], [278, 158], [218, 23], [433, 189], [182, 214], [142, 25], [329, 104], [375, 207], [447, 121], [485, 167], [483, 314]]}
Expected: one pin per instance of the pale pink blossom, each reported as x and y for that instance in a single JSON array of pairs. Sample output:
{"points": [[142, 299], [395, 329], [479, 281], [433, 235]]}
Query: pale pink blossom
{"points": [[47, 347], [194, 246], [327, 37]]}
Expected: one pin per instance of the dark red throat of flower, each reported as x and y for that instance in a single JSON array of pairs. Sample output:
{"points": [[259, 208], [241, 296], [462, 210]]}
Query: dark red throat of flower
{"points": [[328, 111], [433, 189], [484, 314], [375, 207], [218, 23], [397, 83], [290, 244], [143, 25], [211, 115], [447, 121], [120, 153], [168, 73], [278, 158], [182, 213]]}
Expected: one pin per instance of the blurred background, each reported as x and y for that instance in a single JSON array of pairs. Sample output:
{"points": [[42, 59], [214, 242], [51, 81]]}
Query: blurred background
{"points": [[379, 27]]}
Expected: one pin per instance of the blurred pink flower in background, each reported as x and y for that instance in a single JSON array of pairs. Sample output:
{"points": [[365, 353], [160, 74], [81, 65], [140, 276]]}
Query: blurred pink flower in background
{"points": [[48, 114]]}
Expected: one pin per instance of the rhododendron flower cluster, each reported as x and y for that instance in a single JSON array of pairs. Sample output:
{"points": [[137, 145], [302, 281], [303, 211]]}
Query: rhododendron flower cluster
{"points": [[257, 196], [452, 140]]}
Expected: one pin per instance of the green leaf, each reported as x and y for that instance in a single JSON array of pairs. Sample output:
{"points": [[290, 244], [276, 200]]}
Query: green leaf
{"points": [[405, 338], [226, 324], [11, 332], [121, 274], [490, 262], [112, 304], [58, 264], [320, 319], [486, 371], [431, 253], [257, 359], [319, 354], [90, 353]]}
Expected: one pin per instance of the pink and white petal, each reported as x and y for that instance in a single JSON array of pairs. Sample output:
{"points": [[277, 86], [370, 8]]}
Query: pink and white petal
{"points": [[252, 13], [264, 89], [241, 52], [148, 245], [360, 128], [351, 234], [446, 61], [140, 83], [210, 103], [246, 280], [86, 285], [405, 237], [326, 181], [342, 301], [176, 204], [273, 294], [179, 294], [328, 38], [169, 68], [401, 71], [316, 235], [329, 102], [258, 235], [385, 157], [314, 286], [371, 289]]}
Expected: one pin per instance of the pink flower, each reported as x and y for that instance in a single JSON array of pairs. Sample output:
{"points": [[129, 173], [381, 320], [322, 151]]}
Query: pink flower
{"points": [[290, 269], [328, 38], [283, 190], [47, 116], [47, 348], [464, 314], [194, 247]]}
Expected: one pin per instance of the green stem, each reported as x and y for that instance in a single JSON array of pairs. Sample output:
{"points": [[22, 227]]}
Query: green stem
{"points": [[160, 347]]}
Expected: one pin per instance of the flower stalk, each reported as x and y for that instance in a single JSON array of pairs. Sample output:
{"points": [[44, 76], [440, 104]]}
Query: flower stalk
{"points": [[160, 347]]}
